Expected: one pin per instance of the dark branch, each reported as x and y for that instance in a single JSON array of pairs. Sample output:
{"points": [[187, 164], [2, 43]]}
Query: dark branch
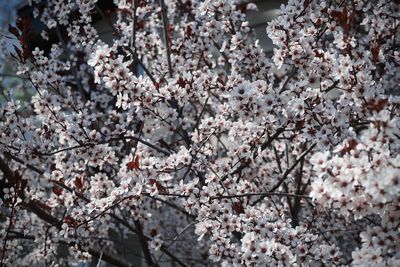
{"points": [[164, 16]]}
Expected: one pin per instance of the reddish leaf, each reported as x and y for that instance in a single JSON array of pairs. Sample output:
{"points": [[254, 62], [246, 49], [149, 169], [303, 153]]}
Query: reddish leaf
{"points": [[24, 41], [342, 19], [153, 232], [375, 52], [182, 82], [220, 80], [142, 3], [189, 31], [26, 53], [340, 16], [377, 105], [350, 145], [21, 22], [140, 25], [13, 31], [134, 165], [79, 183], [318, 54], [242, 7], [70, 221], [57, 190], [170, 31], [159, 186], [186, 7], [19, 52], [238, 207], [300, 124]]}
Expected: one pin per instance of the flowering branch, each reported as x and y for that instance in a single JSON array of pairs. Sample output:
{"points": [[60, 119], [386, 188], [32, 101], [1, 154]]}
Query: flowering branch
{"points": [[313, 126]]}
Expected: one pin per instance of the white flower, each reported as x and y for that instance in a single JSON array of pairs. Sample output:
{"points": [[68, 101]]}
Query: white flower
{"points": [[100, 54]]}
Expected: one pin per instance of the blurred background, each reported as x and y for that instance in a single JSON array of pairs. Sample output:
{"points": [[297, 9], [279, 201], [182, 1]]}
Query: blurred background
{"points": [[11, 85]]}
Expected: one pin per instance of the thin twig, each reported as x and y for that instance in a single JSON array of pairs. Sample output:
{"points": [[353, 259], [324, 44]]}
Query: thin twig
{"points": [[145, 245], [133, 53], [99, 262], [263, 146], [108, 141], [73, 66], [177, 236], [287, 172], [164, 15]]}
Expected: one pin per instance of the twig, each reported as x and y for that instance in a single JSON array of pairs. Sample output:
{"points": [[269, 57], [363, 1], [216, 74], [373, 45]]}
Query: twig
{"points": [[108, 141], [263, 146], [264, 194], [145, 245], [99, 262], [73, 66], [164, 16], [177, 236], [133, 53], [134, 22], [269, 193], [287, 172]]}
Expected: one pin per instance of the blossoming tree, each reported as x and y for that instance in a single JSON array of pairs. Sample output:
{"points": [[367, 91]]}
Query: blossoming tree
{"points": [[182, 131]]}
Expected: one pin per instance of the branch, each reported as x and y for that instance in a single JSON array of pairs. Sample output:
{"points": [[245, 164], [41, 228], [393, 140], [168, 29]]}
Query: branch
{"points": [[263, 194], [73, 66], [145, 245], [35, 207], [133, 41], [331, 87], [163, 248], [166, 36], [133, 53], [172, 205], [29, 166], [283, 88], [217, 46], [296, 203], [108, 141], [287, 172], [262, 147], [272, 138], [177, 236], [118, 219], [269, 193]]}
